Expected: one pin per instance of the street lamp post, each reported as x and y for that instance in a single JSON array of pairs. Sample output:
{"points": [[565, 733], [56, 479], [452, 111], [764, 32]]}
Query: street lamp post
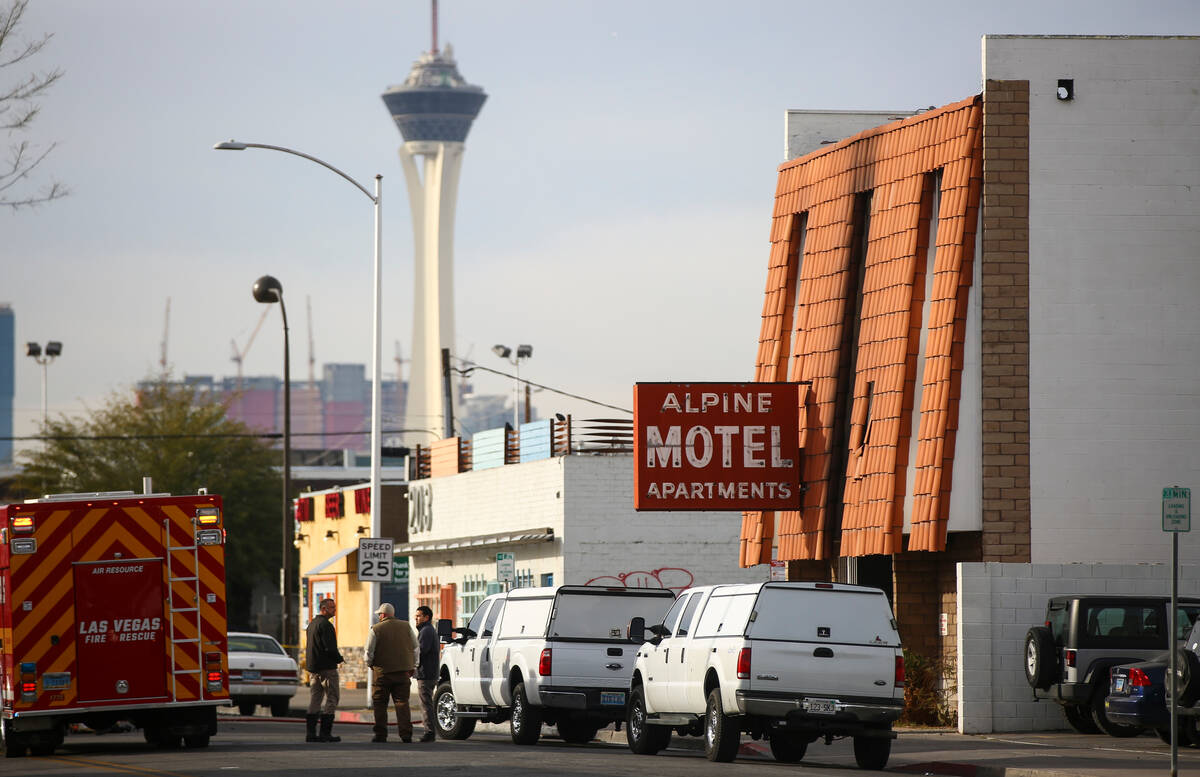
{"points": [[523, 352], [44, 357], [267, 290], [376, 376]]}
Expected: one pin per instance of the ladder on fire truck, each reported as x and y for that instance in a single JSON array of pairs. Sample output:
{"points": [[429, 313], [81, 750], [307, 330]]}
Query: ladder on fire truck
{"points": [[183, 613]]}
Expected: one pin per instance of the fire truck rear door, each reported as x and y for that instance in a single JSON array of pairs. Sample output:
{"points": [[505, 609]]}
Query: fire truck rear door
{"points": [[120, 647]]}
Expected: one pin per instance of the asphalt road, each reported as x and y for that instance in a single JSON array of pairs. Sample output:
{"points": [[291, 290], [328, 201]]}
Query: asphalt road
{"points": [[277, 748]]}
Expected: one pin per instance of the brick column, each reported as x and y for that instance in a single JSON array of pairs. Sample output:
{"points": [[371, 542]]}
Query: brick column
{"points": [[1004, 304]]}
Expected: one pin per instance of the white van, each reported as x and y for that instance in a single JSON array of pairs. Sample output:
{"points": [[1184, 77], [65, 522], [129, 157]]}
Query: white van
{"points": [[791, 662], [560, 656]]}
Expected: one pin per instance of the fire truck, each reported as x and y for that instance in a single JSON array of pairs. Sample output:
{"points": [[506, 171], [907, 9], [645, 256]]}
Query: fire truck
{"points": [[112, 608]]}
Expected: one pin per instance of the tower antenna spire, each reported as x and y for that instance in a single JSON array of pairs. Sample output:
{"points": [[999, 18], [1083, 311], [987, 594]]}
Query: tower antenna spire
{"points": [[435, 48]]}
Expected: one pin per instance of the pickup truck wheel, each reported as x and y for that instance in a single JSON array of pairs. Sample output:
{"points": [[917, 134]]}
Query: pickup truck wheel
{"points": [[720, 735], [246, 708], [279, 708], [526, 724], [1079, 717], [445, 715], [1110, 727], [872, 752], [787, 747], [1041, 665], [575, 731], [643, 738]]}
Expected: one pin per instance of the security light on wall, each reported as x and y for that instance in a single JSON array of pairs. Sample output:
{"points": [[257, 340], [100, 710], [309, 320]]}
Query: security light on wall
{"points": [[362, 530], [524, 351], [329, 535], [299, 540], [1066, 89], [502, 351]]}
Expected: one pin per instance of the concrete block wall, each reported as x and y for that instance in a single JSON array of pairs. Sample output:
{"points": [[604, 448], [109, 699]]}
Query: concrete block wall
{"points": [[999, 602], [608, 542], [1113, 225]]}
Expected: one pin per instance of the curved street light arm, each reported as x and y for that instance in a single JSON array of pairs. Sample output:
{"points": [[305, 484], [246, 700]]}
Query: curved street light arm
{"points": [[237, 145]]}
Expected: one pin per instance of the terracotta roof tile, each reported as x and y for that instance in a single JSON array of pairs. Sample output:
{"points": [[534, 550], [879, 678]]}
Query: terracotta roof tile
{"points": [[893, 161]]}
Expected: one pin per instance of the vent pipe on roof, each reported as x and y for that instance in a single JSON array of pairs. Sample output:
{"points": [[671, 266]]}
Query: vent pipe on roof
{"points": [[147, 486]]}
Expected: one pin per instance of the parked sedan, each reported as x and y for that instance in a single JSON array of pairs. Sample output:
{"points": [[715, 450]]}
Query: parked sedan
{"points": [[1137, 697], [261, 672]]}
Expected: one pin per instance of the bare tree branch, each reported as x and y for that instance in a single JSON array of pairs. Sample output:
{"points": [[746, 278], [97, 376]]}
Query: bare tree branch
{"points": [[18, 109]]}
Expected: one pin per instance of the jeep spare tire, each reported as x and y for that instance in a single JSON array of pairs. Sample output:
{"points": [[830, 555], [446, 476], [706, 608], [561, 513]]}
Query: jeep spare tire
{"points": [[1041, 664], [1187, 677]]}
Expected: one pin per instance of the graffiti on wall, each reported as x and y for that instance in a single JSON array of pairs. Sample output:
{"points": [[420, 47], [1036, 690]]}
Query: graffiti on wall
{"points": [[674, 578]]}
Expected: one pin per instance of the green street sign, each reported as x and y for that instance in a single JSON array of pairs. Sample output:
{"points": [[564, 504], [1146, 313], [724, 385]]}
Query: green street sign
{"points": [[400, 569], [1177, 509]]}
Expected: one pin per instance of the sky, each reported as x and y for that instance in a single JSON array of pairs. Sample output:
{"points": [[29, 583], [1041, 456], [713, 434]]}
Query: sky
{"points": [[614, 203]]}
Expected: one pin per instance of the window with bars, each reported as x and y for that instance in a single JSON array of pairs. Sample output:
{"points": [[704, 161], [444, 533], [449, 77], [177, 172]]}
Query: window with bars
{"points": [[429, 594], [474, 589], [524, 579]]}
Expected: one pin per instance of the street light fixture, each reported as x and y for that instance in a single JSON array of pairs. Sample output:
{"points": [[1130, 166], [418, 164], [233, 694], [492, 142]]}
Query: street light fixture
{"points": [[268, 289], [506, 353], [43, 357], [376, 338]]}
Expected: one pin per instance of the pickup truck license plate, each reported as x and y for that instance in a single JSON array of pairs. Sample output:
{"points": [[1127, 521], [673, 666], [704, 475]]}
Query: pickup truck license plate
{"points": [[614, 698], [251, 674], [820, 706]]}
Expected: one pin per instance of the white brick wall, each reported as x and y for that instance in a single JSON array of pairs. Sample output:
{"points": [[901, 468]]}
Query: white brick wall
{"points": [[588, 502], [1114, 232], [998, 603]]}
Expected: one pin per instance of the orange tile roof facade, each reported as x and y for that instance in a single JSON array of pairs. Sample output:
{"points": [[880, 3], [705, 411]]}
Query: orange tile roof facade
{"points": [[811, 305]]}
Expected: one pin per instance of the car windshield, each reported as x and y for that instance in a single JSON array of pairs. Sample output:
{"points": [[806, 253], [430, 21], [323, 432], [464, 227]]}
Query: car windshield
{"points": [[250, 643]]}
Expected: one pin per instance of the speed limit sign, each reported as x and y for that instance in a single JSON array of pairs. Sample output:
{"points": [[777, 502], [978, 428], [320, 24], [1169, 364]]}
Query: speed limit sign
{"points": [[374, 560]]}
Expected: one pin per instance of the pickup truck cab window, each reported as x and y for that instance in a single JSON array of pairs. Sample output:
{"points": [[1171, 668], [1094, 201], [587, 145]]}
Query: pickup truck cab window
{"points": [[674, 613], [489, 625], [477, 618], [689, 614]]}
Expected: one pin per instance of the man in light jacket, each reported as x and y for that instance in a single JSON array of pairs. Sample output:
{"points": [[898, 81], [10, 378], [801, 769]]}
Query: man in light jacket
{"points": [[392, 653]]}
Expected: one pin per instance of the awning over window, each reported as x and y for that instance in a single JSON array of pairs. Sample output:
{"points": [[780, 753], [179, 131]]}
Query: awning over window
{"points": [[336, 557], [504, 539]]}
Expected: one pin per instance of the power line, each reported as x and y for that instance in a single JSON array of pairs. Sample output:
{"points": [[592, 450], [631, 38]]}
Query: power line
{"points": [[472, 366], [215, 436]]}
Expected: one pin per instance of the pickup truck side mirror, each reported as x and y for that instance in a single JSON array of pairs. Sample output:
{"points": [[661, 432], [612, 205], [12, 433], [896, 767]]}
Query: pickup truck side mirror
{"points": [[445, 629], [636, 633]]}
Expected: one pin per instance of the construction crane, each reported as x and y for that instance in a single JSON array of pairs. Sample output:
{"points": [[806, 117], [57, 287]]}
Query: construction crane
{"points": [[162, 357], [238, 356], [312, 359]]}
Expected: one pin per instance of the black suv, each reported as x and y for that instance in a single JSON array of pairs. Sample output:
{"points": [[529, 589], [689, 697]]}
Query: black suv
{"points": [[1069, 658]]}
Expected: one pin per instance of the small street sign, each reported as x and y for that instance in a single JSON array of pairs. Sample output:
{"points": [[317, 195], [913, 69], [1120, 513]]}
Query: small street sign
{"points": [[400, 569], [506, 567], [375, 559], [1177, 509]]}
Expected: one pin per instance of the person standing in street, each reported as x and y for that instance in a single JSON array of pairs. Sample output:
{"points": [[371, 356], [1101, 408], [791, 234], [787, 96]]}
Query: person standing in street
{"points": [[321, 659], [392, 653], [427, 669]]}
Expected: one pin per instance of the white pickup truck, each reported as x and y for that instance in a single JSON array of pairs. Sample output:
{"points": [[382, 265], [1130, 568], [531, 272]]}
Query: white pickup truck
{"points": [[791, 662], [560, 656]]}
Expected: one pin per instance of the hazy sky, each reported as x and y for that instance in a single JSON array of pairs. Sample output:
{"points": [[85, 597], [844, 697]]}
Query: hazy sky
{"points": [[615, 197]]}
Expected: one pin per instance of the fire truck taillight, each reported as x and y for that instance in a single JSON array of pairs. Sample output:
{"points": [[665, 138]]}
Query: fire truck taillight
{"points": [[212, 671], [210, 537], [208, 516], [22, 524], [28, 681]]}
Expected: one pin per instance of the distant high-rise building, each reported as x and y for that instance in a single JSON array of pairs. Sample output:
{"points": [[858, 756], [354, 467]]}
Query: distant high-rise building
{"points": [[8, 368], [434, 109]]}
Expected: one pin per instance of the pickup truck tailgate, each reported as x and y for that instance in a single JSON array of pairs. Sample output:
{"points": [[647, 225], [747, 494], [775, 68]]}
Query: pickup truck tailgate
{"points": [[591, 665], [824, 669]]}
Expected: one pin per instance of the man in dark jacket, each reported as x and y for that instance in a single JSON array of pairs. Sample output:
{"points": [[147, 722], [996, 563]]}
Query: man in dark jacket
{"points": [[321, 659], [427, 668]]}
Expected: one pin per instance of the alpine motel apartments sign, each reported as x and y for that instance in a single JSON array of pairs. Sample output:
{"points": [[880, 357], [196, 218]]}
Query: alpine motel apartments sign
{"points": [[716, 446]]}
